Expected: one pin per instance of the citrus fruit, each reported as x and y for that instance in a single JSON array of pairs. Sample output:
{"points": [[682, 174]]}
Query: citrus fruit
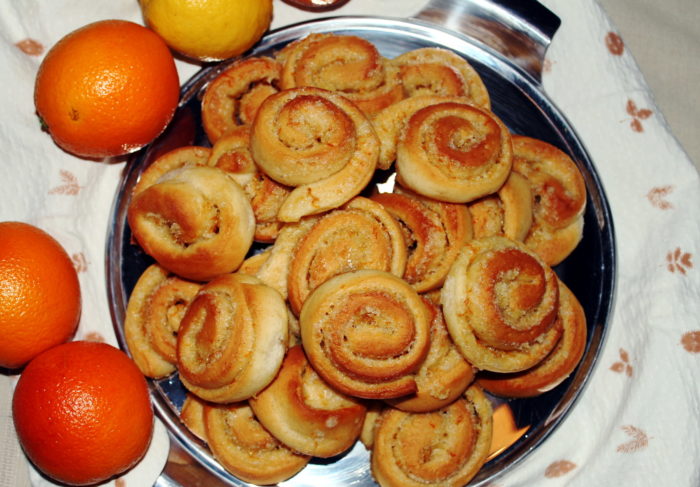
{"points": [[82, 412], [107, 89], [208, 30], [39, 293]]}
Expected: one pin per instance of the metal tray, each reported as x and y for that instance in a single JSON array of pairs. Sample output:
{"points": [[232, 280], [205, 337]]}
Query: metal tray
{"points": [[507, 47]]}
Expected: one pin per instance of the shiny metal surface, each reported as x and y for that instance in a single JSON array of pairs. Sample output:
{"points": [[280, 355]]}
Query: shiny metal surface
{"points": [[517, 98]]}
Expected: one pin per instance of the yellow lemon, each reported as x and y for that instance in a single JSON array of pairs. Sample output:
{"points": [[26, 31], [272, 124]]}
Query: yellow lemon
{"points": [[208, 30]]}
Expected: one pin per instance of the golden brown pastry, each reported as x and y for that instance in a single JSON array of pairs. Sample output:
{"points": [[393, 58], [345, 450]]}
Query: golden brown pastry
{"points": [[454, 152], [232, 339], [192, 416], [374, 411], [232, 98], [194, 221], [306, 414], [346, 64], [508, 213], [500, 303], [246, 449], [359, 235], [559, 198], [153, 313], [443, 448], [366, 333], [434, 231], [557, 366], [437, 71], [231, 153], [389, 123], [443, 376], [191, 155], [318, 142]]}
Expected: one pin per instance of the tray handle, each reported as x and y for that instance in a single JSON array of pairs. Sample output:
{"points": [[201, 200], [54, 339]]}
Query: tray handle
{"points": [[519, 30]]}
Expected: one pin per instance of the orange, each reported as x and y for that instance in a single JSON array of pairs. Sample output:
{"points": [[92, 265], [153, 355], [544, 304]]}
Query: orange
{"points": [[39, 293], [107, 89], [82, 412]]}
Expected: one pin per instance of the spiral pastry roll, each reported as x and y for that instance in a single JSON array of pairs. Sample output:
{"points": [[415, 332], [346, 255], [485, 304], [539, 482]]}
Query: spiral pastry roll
{"points": [[346, 64], [557, 366], [359, 235], [508, 213], [437, 71], [389, 123], [306, 414], [318, 142], [443, 448], [434, 231], [246, 449], [232, 339], [192, 416], [374, 411], [153, 314], [454, 152], [501, 303], [559, 198], [366, 333], [190, 155], [195, 221], [443, 376], [231, 153], [232, 98]]}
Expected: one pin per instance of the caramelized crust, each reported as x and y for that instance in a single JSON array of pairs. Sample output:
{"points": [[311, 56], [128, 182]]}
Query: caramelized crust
{"points": [[508, 213], [500, 303], [246, 449], [443, 448], [557, 366], [194, 221], [232, 98], [305, 413], [232, 339], [453, 152], [366, 333], [318, 142], [190, 155], [153, 314]]}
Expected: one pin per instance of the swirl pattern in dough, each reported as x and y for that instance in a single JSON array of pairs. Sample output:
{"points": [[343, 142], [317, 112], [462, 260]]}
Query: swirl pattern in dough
{"points": [[443, 448], [559, 198], [500, 303], [305, 413], [346, 64], [232, 339], [318, 142], [434, 231], [366, 333], [454, 152], [359, 235], [245, 448], [153, 314], [232, 98], [437, 71], [190, 155], [554, 368]]}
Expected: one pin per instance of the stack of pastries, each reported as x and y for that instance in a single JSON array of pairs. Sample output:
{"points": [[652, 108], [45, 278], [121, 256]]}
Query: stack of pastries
{"points": [[306, 307]]}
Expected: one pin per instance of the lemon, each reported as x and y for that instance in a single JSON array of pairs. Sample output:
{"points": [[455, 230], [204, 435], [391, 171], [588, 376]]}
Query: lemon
{"points": [[208, 30]]}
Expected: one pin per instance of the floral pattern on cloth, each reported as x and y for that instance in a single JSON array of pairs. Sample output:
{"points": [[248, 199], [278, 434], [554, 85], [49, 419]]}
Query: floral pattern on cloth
{"points": [[623, 430]]}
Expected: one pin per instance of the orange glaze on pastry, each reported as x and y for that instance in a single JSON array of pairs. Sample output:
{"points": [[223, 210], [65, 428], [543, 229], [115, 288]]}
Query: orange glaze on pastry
{"points": [[156, 306], [305, 413], [366, 333], [348, 65], [232, 339], [318, 142], [359, 235], [232, 98], [500, 303], [443, 448], [453, 152]]}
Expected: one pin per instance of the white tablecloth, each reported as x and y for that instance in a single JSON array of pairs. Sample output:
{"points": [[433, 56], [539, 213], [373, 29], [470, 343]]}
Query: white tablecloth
{"points": [[637, 423]]}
